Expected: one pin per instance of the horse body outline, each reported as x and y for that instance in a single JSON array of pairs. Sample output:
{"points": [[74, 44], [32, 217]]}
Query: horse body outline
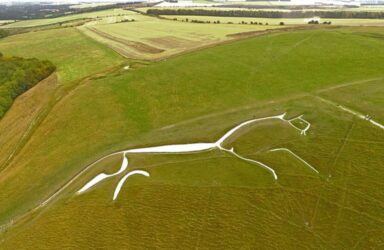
{"points": [[195, 148]]}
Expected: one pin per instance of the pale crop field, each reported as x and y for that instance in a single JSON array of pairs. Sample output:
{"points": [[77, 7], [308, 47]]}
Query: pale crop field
{"points": [[88, 5], [6, 21], [55, 45], [48, 21], [276, 4], [276, 21], [162, 37]]}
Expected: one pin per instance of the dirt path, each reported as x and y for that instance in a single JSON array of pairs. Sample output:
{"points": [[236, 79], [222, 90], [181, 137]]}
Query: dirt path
{"points": [[351, 84], [352, 112], [138, 46]]}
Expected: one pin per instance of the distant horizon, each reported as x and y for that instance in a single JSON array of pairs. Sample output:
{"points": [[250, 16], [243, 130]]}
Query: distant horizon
{"points": [[63, 1]]}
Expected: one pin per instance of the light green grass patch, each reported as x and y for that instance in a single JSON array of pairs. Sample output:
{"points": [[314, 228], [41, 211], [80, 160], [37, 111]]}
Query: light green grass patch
{"points": [[47, 21], [171, 36], [88, 5], [276, 21]]}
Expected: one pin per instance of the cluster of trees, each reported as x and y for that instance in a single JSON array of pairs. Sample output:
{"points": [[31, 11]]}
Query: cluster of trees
{"points": [[267, 14], [17, 75], [218, 21], [317, 22], [259, 23], [127, 20]]}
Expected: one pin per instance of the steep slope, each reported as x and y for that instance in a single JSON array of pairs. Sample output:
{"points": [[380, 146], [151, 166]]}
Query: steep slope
{"points": [[17, 75]]}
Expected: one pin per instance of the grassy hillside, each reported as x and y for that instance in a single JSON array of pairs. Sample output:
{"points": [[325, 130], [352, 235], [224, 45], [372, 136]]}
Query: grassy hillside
{"points": [[212, 200], [76, 56], [17, 75]]}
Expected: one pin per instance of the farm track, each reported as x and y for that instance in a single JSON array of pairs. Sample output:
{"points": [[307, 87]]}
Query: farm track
{"points": [[267, 32], [350, 84], [266, 103], [352, 112], [138, 46]]}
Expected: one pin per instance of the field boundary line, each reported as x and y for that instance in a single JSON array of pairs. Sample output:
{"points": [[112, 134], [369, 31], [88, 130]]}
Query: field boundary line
{"points": [[350, 84], [267, 102]]}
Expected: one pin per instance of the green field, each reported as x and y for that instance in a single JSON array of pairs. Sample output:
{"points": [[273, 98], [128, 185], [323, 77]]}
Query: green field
{"points": [[5, 21], [88, 5], [152, 38], [288, 21], [210, 200], [56, 45], [276, 6], [49, 21]]}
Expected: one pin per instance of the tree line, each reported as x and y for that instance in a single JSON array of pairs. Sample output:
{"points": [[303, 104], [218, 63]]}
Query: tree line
{"points": [[268, 14], [17, 75]]}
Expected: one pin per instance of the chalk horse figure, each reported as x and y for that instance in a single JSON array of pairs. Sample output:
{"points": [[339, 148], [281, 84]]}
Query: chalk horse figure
{"points": [[193, 148]]}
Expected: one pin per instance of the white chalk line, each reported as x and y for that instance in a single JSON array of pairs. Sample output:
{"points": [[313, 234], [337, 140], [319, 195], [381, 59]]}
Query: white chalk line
{"points": [[192, 148], [73, 179], [181, 148], [121, 182], [103, 176], [232, 151], [295, 155], [302, 131]]}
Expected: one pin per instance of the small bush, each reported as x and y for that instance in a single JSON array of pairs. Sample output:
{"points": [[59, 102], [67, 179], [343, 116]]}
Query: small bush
{"points": [[313, 22]]}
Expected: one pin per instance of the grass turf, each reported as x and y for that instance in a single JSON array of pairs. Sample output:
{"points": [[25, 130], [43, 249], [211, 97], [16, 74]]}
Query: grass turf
{"points": [[57, 45], [49, 21], [286, 21], [168, 37], [210, 200]]}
